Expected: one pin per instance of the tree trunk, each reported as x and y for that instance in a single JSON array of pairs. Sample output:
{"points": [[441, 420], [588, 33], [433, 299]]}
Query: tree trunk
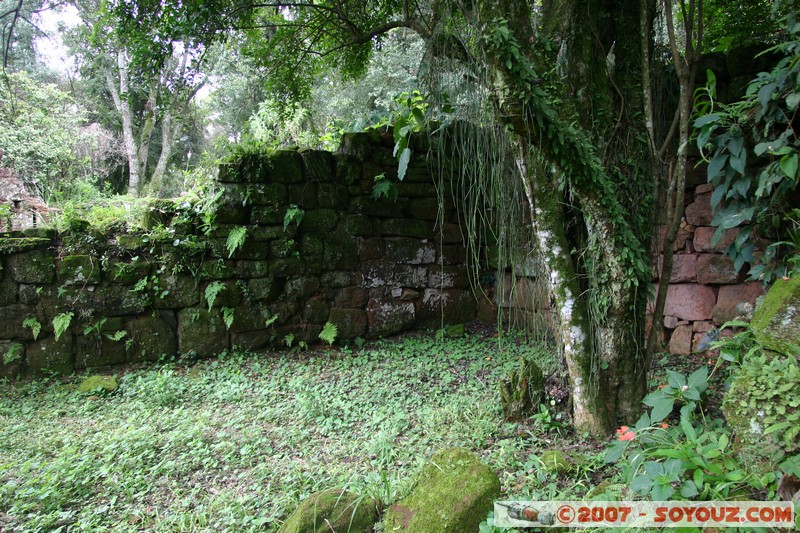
{"points": [[119, 94], [592, 244]]}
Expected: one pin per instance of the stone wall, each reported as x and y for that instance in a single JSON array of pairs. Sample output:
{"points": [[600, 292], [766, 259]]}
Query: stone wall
{"points": [[705, 289], [371, 267]]}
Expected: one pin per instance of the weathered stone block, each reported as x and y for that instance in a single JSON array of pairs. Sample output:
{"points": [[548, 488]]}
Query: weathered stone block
{"points": [[451, 254], [731, 297], [404, 227], [409, 251], [32, 267], [336, 279], [448, 233], [383, 207], [15, 245], [97, 351], [699, 212], [286, 267], [287, 167], [453, 494], [316, 311], [386, 316], [229, 296], [352, 297], [312, 247], [524, 293], [79, 270], [201, 332], [250, 317], [252, 340], [416, 190], [248, 168], [128, 273], [382, 274], [776, 321], [423, 209], [351, 323], [152, 337], [302, 287], [333, 510], [11, 318], [266, 214], [333, 196], [304, 195], [359, 226], [319, 220], [684, 268], [49, 354], [681, 341], [453, 306], [704, 235], [252, 269], [340, 254], [369, 249], [690, 301], [8, 291], [216, 269], [358, 145], [267, 288], [348, 169], [448, 277], [118, 300], [176, 291], [716, 269]]}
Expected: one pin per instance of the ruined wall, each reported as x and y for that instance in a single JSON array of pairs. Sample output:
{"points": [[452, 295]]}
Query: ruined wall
{"points": [[371, 267]]}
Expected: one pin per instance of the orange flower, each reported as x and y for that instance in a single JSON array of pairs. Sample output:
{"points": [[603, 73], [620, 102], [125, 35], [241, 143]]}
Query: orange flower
{"points": [[625, 433], [664, 425]]}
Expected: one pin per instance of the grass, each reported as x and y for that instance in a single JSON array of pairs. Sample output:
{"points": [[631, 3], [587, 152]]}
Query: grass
{"points": [[234, 443]]}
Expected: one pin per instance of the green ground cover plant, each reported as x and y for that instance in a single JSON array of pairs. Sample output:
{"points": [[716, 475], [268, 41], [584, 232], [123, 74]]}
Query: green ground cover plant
{"points": [[234, 443]]}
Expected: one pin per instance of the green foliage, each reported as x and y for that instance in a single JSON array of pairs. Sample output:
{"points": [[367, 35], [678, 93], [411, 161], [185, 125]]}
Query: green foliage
{"points": [[680, 390], [236, 239], [41, 134], [15, 352], [227, 316], [61, 323], [728, 25], [35, 325], [692, 460], [293, 214], [759, 127], [212, 291], [271, 320], [384, 188], [769, 386], [328, 333], [411, 119]]}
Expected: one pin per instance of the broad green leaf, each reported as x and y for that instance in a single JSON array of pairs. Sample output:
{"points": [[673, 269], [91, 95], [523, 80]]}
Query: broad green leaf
{"points": [[707, 119], [689, 489], [641, 484], [688, 428], [715, 166], [698, 377], [402, 163], [789, 165], [662, 409], [662, 491]]}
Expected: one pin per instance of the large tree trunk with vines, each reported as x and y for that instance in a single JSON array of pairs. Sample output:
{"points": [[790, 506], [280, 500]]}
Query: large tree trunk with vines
{"points": [[577, 176]]}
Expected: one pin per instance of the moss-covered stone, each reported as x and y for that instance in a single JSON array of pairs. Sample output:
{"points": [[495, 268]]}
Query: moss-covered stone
{"points": [[51, 355], [333, 510], [333, 196], [79, 270], [408, 227], [32, 267], [176, 291], [252, 167], [159, 212], [127, 273], [12, 358], [96, 351], [340, 254], [119, 300], [776, 320], [286, 166], [11, 318], [762, 407], [266, 214], [152, 337], [359, 226], [98, 383], [522, 390], [201, 332], [13, 245], [319, 220], [350, 323], [267, 288], [557, 462], [453, 494]]}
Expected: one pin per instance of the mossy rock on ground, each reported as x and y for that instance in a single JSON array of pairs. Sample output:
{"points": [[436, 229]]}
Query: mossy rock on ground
{"points": [[776, 320], [522, 390], [557, 462], [333, 510], [453, 494], [95, 383]]}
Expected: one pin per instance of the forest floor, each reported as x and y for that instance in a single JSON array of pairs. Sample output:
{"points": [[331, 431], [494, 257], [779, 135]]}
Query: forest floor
{"points": [[235, 442]]}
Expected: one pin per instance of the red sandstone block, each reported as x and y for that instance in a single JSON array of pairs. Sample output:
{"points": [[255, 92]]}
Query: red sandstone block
{"points": [[704, 234], [689, 301], [732, 295]]}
